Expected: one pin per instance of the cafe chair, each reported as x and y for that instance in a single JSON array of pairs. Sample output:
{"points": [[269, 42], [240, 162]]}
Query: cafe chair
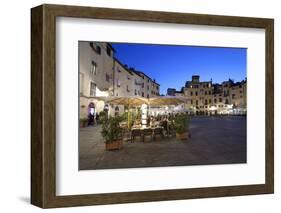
{"points": [[135, 133], [158, 131], [147, 132]]}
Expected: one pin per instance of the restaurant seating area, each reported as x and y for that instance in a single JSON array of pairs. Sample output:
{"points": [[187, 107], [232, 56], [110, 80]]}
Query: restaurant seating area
{"points": [[157, 127], [143, 119]]}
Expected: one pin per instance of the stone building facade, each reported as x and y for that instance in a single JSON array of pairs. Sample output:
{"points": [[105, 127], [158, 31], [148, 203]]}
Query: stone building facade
{"points": [[149, 87], [102, 74], [208, 98]]}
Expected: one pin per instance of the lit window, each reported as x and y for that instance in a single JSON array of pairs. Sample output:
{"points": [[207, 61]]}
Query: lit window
{"points": [[118, 83], [93, 89]]}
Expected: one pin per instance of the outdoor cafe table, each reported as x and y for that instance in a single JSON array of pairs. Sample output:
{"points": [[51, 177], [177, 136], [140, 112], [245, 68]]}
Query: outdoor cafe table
{"points": [[144, 128]]}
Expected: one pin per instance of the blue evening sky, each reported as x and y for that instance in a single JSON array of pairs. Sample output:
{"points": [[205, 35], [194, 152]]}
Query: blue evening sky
{"points": [[172, 66]]}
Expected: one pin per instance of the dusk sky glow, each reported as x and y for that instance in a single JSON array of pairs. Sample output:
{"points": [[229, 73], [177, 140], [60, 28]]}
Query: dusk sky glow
{"points": [[172, 66]]}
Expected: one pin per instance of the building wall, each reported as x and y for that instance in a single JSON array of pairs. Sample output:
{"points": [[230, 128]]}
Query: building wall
{"points": [[149, 88], [95, 67], [238, 94], [171, 91], [123, 84], [95, 74], [208, 98], [100, 74], [200, 96], [138, 82], [124, 81], [155, 89]]}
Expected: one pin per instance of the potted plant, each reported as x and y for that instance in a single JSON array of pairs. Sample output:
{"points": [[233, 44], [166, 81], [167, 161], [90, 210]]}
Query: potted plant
{"points": [[102, 117], [112, 133], [83, 122], [181, 127]]}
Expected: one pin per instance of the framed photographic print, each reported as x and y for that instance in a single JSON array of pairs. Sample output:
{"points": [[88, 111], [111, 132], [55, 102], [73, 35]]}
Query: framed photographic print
{"points": [[136, 106]]}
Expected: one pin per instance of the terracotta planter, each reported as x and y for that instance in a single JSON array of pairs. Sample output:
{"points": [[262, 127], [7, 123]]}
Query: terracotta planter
{"points": [[115, 145], [183, 136], [83, 124]]}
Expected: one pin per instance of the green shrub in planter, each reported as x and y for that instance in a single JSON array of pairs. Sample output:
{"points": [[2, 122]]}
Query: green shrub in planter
{"points": [[83, 122], [181, 126], [181, 123], [102, 116], [111, 130]]}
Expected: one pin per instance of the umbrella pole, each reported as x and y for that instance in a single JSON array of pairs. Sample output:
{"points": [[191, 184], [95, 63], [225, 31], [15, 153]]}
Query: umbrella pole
{"points": [[128, 119]]}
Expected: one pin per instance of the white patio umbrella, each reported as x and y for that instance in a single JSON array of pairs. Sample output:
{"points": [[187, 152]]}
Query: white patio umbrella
{"points": [[137, 101], [167, 100], [129, 101], [124, 100]]}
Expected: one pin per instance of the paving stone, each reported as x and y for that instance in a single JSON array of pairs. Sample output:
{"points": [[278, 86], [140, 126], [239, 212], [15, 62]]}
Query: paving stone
{"points": [[214, 140]]}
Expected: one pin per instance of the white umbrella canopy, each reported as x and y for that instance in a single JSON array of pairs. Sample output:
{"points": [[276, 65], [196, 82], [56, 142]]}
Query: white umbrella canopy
{"points": [[126, 100], [167, 100], [129, 101], [132, 101], [136, 100]]}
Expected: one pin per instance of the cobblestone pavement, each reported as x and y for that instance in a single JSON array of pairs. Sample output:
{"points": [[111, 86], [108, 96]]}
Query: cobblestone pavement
{"points": [[214, 140]]}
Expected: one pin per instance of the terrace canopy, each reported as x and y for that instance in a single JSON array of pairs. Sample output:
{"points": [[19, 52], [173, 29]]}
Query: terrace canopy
{"points": [[166, 100], [127, 101], [137, 101], [133, 101]]}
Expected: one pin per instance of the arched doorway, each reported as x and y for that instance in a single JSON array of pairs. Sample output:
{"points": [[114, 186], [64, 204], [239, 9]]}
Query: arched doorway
{"points": [[106, 110], [116, 113], [91, 113]]}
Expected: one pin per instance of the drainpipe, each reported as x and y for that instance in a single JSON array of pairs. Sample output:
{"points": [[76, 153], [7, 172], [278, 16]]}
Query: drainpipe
{"points": [[113, 74]]}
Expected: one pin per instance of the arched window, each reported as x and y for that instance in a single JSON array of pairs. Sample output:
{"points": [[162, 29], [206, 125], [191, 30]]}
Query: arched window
{"points": [[106, 107], [226, 101], [91, 113], [116, 111]]}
